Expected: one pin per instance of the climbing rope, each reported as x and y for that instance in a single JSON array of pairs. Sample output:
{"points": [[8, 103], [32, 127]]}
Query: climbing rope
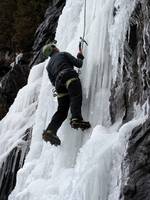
{"points": [[84, 28], [82, 40]]}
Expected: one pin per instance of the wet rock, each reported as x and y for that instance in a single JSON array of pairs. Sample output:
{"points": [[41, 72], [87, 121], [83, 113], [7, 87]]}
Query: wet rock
{"points": [[47, 29], [129, 190], [12, 82], [4, 68], [12, 164], [138, 162], [133, 88], [6, 58]]}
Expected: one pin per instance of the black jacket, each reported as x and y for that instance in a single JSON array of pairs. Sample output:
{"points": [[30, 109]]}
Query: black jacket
{"points": [[60, 61]]}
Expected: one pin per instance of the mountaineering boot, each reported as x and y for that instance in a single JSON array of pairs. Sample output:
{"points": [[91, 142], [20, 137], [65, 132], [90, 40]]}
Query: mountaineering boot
{"points": [[78, 123], [50, 136]]}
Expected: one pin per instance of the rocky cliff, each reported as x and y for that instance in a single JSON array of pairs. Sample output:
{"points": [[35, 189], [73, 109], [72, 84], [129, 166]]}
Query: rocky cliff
{"points": [[130, 89]]}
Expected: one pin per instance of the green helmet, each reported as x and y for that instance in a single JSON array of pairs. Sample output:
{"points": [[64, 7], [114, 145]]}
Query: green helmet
{"points": [[48, 49]]}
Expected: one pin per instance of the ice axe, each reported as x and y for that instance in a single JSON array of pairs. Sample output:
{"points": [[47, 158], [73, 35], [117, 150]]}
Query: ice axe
{"points": [[82, 41]]}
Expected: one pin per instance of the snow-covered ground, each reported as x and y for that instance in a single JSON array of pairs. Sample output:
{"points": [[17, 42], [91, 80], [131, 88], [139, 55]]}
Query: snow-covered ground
{"points": [[87, 164]]}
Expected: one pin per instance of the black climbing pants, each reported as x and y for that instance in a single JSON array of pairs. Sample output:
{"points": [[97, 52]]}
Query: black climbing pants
{"points": [[68, 87]]}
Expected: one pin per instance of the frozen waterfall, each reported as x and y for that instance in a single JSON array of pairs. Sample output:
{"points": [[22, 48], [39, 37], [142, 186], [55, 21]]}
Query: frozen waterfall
{"points": [[87, 165]]}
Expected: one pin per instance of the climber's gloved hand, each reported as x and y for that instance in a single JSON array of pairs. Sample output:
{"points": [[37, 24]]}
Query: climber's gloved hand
{"points": [[80, 55]]}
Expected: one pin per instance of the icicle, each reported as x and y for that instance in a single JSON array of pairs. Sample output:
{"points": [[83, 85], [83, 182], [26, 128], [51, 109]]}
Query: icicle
{"points": [[118, 32]]}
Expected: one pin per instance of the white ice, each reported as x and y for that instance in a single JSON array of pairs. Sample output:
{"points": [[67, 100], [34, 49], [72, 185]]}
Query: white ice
{"points": [[87, 165]]}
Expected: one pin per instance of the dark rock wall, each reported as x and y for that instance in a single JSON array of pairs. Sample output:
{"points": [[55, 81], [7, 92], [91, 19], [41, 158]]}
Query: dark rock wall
{"points": [[137, 163], [12, 164], [134, 87], [12, 82], [47, 30]]}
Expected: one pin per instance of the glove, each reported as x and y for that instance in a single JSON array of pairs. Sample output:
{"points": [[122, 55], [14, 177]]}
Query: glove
{"points": [[80, 56]]}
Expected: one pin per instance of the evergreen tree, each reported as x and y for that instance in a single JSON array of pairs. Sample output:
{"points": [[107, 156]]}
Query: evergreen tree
{"points": [[28, 16], [7, 9]]}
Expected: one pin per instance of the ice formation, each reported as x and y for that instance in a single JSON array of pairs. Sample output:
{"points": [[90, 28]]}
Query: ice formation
{"points": [[87, 165]]}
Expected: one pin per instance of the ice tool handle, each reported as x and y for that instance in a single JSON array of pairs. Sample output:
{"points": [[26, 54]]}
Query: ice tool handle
{"points": [[82, 40], [81, 43]]}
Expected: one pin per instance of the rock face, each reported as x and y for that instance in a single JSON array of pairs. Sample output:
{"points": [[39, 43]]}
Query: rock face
{"points": [[138, 163], [4, 68], [11, 165], [47, 29], [12, 82], [134, 87]]}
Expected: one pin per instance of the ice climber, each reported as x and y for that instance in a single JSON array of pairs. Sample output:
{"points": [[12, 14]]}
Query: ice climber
{"points": [[69, 92]]}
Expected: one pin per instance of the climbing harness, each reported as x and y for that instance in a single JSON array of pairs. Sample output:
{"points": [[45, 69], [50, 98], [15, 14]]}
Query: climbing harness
{"points": [[70, 81], [60, 95]]}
